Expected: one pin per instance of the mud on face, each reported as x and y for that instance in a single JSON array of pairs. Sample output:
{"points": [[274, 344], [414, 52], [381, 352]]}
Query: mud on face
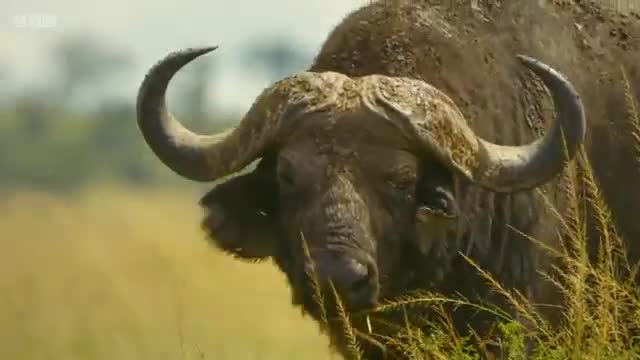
{"points": [[358, 206]]}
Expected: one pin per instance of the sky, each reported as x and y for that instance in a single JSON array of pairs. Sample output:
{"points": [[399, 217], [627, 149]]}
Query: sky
{"points": [[150, 29]]}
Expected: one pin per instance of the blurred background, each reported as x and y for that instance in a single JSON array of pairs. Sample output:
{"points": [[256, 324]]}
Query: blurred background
{"points": [[101, 256], [70, 72]]}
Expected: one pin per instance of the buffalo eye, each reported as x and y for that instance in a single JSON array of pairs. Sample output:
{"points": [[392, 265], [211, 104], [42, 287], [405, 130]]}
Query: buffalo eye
{"points": [[402, 181], [438, 202]]}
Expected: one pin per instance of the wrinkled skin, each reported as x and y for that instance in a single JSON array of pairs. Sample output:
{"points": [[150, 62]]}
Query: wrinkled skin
{"points": [[394, 212], [353, 199], [382, 220], [357, 196]]}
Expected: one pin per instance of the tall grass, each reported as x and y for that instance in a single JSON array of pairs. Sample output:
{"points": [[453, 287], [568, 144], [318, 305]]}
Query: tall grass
{"points": [[117, 274], [99, 276]]}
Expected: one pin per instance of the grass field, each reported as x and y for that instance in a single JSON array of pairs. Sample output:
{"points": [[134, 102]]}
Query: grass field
{"points": [[111, 273], [116, 274]]}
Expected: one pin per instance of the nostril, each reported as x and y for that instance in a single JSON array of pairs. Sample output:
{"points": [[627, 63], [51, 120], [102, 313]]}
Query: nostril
{"points": [[353, 276], [343, 270], [360, 284], [348, 272], [363, 280], [363, 291], [357, 268]]}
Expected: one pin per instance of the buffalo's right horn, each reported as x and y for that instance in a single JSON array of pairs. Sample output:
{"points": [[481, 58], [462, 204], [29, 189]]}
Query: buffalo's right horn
{"points": [[193, 156], [442, 128], [512, 168]]}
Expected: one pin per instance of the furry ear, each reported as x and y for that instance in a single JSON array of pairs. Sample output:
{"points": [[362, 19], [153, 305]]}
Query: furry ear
{"points": [[240, 215]]}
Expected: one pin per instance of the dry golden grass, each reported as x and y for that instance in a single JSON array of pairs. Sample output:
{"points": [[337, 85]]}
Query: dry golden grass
{"points": [[116, 274]]}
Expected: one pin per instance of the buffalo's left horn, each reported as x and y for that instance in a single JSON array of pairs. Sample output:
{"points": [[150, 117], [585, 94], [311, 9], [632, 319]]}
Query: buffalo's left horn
{"points": [[201, 157]]}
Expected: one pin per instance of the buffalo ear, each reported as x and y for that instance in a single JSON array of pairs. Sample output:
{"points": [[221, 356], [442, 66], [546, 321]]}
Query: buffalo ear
{"points": [[240, 215]]}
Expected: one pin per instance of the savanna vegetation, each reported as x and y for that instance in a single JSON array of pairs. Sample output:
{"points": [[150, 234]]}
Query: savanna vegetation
{"points": [[93, 274], [97, 275], [101, 256]]}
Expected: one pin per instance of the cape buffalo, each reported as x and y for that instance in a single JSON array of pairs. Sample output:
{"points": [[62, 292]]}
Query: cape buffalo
{"points": [[417, 135]]}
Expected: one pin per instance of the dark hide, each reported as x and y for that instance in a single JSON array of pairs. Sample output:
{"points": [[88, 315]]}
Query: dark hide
{"points": [[470, 55]]}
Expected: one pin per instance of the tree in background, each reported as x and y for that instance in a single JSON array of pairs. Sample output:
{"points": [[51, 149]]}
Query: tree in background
{"points": [[4, 82], [86, 64], [72, 131]]}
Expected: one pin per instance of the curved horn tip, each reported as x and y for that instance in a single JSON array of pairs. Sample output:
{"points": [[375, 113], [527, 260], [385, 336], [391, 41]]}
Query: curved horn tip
{"points": [[163, 70], [513, 168], [195, 52], [532, 62], [182, 57], [538, 66], [181, 150], [179, 58], [550, 75], [544, 70]]}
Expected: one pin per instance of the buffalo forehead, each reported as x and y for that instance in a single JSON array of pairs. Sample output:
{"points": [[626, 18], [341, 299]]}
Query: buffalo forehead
{"points": [[347, 129], [350, 125], [332, 156]]}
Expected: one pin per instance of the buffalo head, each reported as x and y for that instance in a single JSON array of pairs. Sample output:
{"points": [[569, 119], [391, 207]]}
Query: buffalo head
{"points": [[358, 168]]}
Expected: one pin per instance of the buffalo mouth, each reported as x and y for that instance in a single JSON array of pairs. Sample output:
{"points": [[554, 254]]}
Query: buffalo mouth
{"points": [[334, 278]]}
